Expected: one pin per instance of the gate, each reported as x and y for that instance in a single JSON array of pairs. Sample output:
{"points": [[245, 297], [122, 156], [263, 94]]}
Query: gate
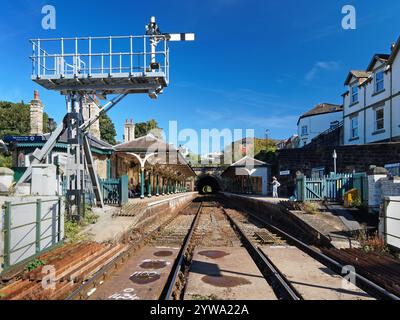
{"points": [[115, 191], [331, 187]]}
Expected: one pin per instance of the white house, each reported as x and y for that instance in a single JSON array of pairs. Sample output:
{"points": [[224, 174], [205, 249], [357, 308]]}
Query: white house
{"points": [[317, 120], [372, 102]]}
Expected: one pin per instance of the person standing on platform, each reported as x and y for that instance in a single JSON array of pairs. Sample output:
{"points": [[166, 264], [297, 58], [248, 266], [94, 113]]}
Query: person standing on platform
{"points": [[275, 186]]}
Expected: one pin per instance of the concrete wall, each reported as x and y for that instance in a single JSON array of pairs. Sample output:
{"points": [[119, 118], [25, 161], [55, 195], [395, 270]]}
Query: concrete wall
{"points": [[317, 124]]}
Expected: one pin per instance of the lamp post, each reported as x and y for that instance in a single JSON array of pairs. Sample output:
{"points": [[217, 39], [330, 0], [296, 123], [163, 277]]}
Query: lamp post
{"points": [[334, 156]]}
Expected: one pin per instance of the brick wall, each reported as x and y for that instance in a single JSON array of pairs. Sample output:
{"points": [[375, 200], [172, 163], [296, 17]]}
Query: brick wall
{"points": [[358, 158]]}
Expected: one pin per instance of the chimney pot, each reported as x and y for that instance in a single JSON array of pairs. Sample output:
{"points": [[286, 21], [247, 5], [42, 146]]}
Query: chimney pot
{"points": [[36, 95]]}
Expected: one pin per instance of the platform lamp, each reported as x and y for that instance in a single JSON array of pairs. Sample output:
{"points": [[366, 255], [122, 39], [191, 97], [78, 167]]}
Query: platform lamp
{"points": [[334, 156]]}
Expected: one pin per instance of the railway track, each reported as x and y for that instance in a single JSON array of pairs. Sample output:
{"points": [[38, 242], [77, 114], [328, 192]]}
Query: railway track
{"points": [[207, 247], [127, 276], [273, 278], [329, 258]]}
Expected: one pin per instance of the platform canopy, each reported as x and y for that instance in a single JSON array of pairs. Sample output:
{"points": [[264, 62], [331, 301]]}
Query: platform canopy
{"points": [[156, 152]]}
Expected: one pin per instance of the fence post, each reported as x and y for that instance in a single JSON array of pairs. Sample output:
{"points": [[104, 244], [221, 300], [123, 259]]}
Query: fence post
{"points": [[38, 223], [59, 203], [7, 234]]}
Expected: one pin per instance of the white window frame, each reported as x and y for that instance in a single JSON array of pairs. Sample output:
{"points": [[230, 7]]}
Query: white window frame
{"points": [[354, 130], [380, 119], [380, 81], [354, 95]]}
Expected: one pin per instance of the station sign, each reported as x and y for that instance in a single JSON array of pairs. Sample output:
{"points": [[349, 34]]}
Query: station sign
{"points": [[8, 139], [284, 173]]}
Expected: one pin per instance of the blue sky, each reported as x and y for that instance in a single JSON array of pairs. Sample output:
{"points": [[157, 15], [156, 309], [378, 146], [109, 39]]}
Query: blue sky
{"points": [[255, 64]]}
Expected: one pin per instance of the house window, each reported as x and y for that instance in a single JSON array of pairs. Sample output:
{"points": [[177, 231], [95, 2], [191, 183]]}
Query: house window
{"points": [[354, 127], [304, 130], [354, 94], [379, 119], [379, 81]]}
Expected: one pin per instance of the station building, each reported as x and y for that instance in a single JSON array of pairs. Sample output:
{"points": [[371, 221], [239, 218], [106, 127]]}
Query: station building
{"points": [[248, 175]]}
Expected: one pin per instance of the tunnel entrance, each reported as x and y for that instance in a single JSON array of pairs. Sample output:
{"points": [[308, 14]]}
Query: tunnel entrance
{"points": [[208, 185]]}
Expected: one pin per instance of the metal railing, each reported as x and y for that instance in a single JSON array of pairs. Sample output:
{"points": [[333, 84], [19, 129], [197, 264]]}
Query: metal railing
{"points": [[30, 228], [91, 56]]}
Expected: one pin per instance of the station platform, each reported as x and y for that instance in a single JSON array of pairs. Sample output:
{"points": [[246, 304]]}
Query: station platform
{"points": [[327, 222], [110, 227]]}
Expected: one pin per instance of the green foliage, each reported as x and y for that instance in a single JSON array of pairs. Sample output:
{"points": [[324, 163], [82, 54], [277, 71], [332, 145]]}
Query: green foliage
{"points": [[90, 217], [262, 149], [143, 128], [107, 129], [15, 119], [193, 158], [34, 265], [71, 230], [311, 208], [5, 161]]}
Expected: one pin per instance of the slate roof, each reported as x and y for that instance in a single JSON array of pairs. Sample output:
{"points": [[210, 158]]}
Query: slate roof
{"points": [[378, 56], [357, 74], [322, 108]]}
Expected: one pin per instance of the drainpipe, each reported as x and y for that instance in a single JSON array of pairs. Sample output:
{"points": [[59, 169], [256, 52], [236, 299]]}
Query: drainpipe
{"points": [[391, 103], [365, 114]]}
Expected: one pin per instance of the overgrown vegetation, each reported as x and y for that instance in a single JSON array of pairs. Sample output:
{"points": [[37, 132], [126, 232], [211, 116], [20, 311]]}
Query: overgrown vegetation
{"points": [[199, 297], [311, 208], [372, 243], [34, 265], [73, 229]]}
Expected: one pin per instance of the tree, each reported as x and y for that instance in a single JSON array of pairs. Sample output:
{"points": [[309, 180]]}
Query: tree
{"points": [[15, 119], [143, 128], [107, 129]]}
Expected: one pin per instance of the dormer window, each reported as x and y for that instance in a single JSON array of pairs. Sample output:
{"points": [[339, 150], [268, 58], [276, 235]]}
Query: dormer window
{"points": [[379, 81], [354, 94]]}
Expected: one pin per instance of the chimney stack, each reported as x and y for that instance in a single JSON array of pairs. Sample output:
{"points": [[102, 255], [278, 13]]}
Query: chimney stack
{"points": [[129, 131], [89, 109], [36, 115]]}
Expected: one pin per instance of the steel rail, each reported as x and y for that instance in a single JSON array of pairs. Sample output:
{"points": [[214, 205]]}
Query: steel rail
{"points": [[282, 287], [370, 287], [81, 292], [167, 293]]}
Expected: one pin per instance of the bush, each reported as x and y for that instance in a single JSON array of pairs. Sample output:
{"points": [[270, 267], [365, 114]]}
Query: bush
{"points": [[372, 243], [311, 208], [72, 229]]}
